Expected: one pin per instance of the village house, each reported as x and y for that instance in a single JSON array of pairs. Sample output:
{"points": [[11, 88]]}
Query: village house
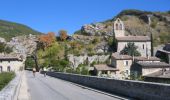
{"points": [[146, 68], [161, 76], [10, 63], [104, 70], [124, 66], [142, 42], [122, 63]]}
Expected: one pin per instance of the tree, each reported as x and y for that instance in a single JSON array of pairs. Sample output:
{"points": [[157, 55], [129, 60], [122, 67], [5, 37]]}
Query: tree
{"points": [[131, 50], [63, 35], [4, 48], [46, 40]]}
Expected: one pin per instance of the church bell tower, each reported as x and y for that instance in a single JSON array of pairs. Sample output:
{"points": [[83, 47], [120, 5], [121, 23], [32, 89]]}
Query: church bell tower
{"points": [[119, 29]]}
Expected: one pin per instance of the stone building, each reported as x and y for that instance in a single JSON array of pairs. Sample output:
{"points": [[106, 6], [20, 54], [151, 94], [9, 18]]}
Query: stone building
{"points": [[146, 68], [105, 70], [122, 63], [142, 42], [10, 63]]}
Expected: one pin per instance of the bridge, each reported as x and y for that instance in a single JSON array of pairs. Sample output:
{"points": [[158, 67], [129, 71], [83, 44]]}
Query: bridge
{"points": [[49, 88], [77, 87]]}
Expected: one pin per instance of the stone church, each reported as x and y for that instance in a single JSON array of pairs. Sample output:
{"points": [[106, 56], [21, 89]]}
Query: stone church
{"points": [[142, 42]]}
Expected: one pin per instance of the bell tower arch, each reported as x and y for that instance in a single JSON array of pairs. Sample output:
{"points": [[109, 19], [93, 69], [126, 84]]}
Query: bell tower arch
{"points": [[119, 29]]}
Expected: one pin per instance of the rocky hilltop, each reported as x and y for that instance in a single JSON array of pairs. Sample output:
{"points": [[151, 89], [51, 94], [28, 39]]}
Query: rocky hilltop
{"points": [[136, 23]]}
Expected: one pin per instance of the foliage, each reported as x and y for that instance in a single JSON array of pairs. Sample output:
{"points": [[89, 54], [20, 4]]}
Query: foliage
{"points": [[11, 29], [46, 40], [164, 38], [4, 48], [63, 35], [29, 63], [168, 12], [95, 40], [81, 69], [75, 47], [112, 43], [50, 56], [5, 78], [131, 50], [59, 65], [133, 12]]}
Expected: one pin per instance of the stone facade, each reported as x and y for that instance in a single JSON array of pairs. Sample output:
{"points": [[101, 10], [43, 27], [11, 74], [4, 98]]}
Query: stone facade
{"points": [[123, 64], [11, 64], [142, 42], [143, 47]]}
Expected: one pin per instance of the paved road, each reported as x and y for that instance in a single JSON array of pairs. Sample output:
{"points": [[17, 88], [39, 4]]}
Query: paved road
{"points": [[48, 88]]}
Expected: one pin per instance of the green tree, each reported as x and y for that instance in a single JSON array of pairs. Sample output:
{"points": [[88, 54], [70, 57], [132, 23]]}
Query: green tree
{"points": [[29, 63], [131, 50], [4, 48]]}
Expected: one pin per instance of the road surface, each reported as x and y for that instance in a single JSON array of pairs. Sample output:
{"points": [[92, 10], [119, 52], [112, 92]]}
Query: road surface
{"points": [[49, 88]]}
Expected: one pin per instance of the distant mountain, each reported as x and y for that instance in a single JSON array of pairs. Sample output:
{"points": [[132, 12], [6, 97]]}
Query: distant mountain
{"points": [[136, 23], [11, 29]]}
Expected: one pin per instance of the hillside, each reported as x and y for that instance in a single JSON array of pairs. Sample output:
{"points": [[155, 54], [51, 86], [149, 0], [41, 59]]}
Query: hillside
{"points": [[136, 23], [11, 29]]}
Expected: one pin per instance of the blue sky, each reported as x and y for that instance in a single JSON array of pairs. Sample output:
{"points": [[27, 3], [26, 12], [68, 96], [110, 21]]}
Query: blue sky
{"points": [[53, 15]]}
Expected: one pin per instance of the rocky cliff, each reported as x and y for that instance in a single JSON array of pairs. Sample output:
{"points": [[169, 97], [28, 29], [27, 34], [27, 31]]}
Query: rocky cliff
{"points": [[136, 23]]}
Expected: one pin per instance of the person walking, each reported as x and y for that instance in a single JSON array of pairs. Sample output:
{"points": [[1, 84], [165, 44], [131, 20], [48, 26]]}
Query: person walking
{"points": [[45, 71], [34, 70]]}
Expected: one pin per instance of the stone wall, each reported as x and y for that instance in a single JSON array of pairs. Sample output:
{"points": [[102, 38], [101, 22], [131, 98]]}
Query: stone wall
{"points": [[10, 92], [134, 89], [77, 60]]}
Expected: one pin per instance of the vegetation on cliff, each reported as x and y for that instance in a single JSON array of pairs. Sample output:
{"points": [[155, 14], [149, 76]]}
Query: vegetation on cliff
{"points": [[11, 29]]}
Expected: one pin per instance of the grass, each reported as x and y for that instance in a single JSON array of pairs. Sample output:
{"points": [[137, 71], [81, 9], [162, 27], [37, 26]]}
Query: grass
{"points": [[5, 78]]}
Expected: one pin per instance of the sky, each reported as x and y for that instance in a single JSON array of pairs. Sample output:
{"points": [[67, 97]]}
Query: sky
{"points": [[54, 15]]}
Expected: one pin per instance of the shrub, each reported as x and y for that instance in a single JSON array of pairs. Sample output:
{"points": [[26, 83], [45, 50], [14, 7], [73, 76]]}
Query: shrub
{"points": [[5, 78]]}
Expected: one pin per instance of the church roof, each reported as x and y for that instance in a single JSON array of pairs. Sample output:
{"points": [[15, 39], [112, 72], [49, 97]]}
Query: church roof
{"points": [[133, 39]]}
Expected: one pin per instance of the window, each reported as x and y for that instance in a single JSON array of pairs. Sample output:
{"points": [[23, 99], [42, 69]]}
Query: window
{"points": [[117, 26], [143, 46], [8, 68], [126, 63]]}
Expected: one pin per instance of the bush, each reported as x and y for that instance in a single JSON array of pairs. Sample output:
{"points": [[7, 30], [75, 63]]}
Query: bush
{"points": [[59, 65], [29, 63], [5, 78]]}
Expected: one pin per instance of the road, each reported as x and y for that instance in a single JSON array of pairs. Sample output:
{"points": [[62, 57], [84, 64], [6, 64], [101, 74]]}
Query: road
{"points": [[49, 88]]}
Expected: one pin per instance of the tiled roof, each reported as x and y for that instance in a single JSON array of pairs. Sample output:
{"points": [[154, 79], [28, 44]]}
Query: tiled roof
{"points": [[146, 59], [117, 56], [4, 58], [103, 67], [159, 74], [154, 64], [167, 52], [133, 38]]}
